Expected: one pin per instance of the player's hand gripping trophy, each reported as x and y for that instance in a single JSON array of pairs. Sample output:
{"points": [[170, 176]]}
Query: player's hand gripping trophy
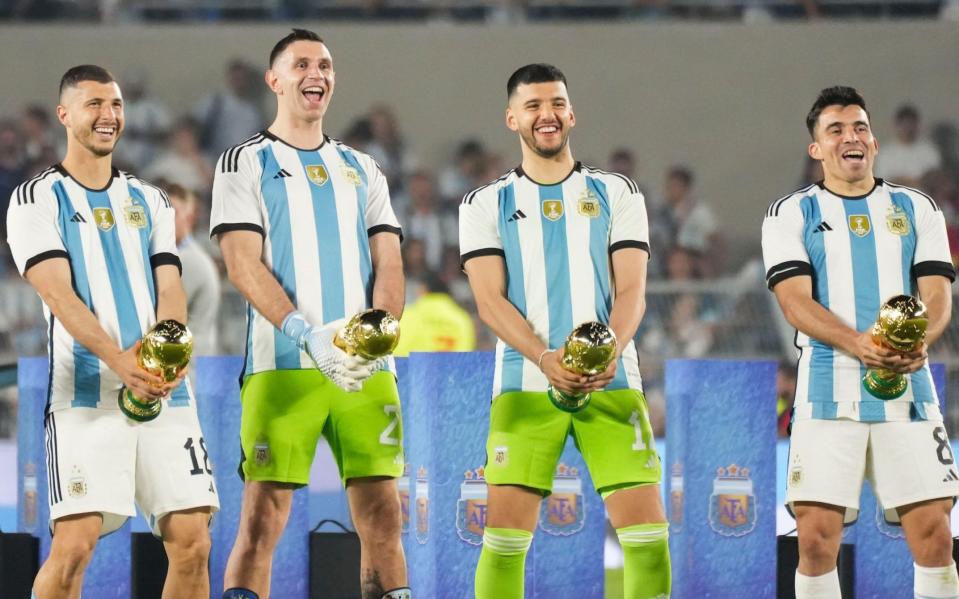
{"points": [[371, 334], [589, 350], [902, 327], [165, 351]]}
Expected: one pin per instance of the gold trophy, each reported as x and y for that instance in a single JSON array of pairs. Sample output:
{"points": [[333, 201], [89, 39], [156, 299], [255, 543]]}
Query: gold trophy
{"points": [[589, 350], [370, 334], [901, 326], [165, 351]]}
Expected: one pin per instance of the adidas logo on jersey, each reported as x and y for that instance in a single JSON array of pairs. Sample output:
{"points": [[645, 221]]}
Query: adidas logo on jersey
{"points": [[823, 227], [516, 216], [282, 174], [77, 218], [950, 476]]}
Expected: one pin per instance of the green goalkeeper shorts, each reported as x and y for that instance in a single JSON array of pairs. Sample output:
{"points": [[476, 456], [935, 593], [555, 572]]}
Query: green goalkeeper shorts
{"points": [[527, 435], [286, 411]]}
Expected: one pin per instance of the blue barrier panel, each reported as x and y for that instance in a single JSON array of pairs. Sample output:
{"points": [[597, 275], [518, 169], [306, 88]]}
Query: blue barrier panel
{"points": [[721, 467], [405, 483], [447, 424], [883, 562], [108, 574]]}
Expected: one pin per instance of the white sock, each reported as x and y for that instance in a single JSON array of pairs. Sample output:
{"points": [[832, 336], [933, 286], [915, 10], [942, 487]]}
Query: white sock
{"points": [[825, 586], [941, 582]]}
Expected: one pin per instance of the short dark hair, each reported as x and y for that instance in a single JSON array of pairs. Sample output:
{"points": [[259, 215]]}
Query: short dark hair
{"points": [[534, 73], [84, 72], [295, 36], [838, 95], [682, 173]]}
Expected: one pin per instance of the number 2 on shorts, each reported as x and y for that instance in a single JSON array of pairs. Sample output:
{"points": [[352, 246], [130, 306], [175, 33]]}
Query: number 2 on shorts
{"points": [[386, 437]]}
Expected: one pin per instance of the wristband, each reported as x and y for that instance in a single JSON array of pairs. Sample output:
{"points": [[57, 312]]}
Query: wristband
{"points": [[295, 327], [539, 362]]}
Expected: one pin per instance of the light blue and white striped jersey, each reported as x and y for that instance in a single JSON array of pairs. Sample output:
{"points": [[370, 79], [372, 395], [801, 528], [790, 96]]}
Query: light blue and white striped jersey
{"points": [[316, 210], [859, 252], [113, 238], [556, 241]]}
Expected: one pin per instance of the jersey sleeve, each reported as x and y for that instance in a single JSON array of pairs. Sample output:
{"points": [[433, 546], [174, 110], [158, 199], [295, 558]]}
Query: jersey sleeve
{"points": [[784, 252], [163, 236], [379, 216], [479, 233], [32, 229], [236, 204], [932, 256], [629, 223]]}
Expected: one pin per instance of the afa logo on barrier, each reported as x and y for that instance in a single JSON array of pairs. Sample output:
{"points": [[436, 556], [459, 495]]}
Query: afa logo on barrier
{"points": [[471, 507], [403, 486], [676, 498], [564, 511], [732, 506], [422, 506]]}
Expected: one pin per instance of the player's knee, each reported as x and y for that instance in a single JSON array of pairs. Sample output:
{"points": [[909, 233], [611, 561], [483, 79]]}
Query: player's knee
{"points": [[380, 517], [191, 553], [73, 554], [935, 541], [819, 546]]}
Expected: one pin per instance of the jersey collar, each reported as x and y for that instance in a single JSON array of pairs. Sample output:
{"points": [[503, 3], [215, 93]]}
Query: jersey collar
{"points": [[273, 137], [878, 181], [114, 173], [576, 168]]}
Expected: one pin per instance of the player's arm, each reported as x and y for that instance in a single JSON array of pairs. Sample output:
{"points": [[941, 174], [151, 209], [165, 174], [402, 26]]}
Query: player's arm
{"points": [[52, 278], [389, 286], [811, 318], [171, 297], [936, 293], [629, 273], [243, 255], [487, 278]]}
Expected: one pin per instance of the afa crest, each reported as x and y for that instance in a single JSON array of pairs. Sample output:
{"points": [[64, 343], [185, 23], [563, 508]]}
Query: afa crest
{"points": [[261, 454], [896, 221], [77, 485], [135, 215], [351, 175], [676, 498], [553, 209], [859, 224], [589, 204], [471, 507], [422, 506], [317, 174], [732, 506], [403, 486], [104, 218], [564, 511]]}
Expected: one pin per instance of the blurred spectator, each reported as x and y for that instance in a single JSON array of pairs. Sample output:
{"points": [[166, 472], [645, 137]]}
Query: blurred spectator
{"points": [[13, 172], [624, 162], [811, 172], [465, 173], [146, 121], [388, 147], [434, 321], [358, 134], [685, 222], [943, 188], [452, 274], [424, 219], [182, 160], [414, 266], [785, 396], [201, 281], [906, 159], [38, 138], [227, 117]]}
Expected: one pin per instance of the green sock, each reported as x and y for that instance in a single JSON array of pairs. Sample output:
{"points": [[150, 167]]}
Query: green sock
{"points": [[499, 573], [646, 573]]}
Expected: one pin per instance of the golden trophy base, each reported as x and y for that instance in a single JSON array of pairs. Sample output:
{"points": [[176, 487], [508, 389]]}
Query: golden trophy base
{"points": [[137, 410], [566, 402], [883, 386]]}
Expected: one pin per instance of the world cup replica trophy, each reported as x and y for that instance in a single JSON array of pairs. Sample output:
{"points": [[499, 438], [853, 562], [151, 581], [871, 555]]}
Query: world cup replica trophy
{"points": [[370, 334], [165, 351], [902, 327], [589, 350]]}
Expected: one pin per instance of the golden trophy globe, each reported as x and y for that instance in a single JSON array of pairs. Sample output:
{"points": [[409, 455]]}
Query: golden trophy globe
{"points": [[902, 327], [165, 351], [370, 334], [589, 350]]}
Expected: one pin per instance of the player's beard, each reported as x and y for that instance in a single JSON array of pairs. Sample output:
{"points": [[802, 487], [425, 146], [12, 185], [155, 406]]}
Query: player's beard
{"points": [[100, 151], [529, 138]]}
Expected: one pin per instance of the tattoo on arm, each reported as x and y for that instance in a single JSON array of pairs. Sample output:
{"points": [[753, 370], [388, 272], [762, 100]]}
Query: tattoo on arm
{"points": [[370, 585]]}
